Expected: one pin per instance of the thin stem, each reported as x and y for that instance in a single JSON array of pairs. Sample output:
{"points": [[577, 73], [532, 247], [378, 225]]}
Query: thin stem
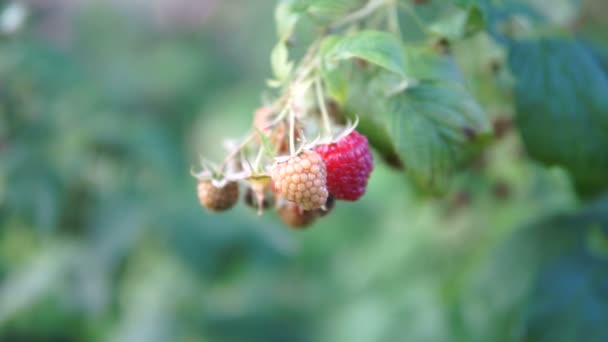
{"points": [[281, 116], [306, 66], [393, 19], [246, 160], [412, 12], [306, 71], [292, 132], [236, 151], [402, 86], [321, 101], [364, 12], [308, 57], [376, 20], [258, 158]]}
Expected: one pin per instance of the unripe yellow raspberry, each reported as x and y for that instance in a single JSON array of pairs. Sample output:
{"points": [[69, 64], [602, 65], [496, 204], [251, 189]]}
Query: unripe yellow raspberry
{"points": [[302, 179], [216, 198]]}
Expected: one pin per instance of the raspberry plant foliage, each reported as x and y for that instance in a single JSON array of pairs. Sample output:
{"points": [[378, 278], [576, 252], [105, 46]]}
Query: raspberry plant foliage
{"points": [[410, 99], [428, 123], [391, 70]]}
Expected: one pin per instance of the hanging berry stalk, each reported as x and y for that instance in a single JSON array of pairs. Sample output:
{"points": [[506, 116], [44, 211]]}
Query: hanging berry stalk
{"points": [[298, 157]]}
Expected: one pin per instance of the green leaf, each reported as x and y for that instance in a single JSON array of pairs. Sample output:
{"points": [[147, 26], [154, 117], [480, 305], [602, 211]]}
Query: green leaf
{"points": [[431, 126], [366, 101], [436, 127], [327, 9], [466, 3], [462, 24], [334, 76], [562, 108], [279, 58], [379, 48], [423, 63], [548, 278], [476, 21], [286, 19], [268, 148], [568, 301]]}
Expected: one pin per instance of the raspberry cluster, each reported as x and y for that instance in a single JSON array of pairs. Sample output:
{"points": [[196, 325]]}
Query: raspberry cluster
{"points": [[302, 187], [302, 152]]}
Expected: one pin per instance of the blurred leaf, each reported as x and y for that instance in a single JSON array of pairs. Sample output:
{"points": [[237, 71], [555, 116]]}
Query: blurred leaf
{"points": [[464, 3], [366, 100], [436, 127], [568, 301], [462, 24], [547, 283], [562, 107], [150, 296], [379, 48], [334, 76], [434, 124], [425, 64], [25, 287], [327, 9], [475, 21], [281, 66], [568, 298], [286, 20]]}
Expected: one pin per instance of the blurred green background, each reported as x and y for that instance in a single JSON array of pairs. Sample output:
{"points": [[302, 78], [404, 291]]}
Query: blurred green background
{"points": [[105, 106]]}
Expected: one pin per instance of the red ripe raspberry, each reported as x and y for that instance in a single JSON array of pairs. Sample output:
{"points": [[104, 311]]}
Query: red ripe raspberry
{"points": [[349, 164]]}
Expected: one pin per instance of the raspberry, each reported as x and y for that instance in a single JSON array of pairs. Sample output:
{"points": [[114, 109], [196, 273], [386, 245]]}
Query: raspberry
{"points": [[302, 179], [215, 198], [293, 216], [349, 164]]}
